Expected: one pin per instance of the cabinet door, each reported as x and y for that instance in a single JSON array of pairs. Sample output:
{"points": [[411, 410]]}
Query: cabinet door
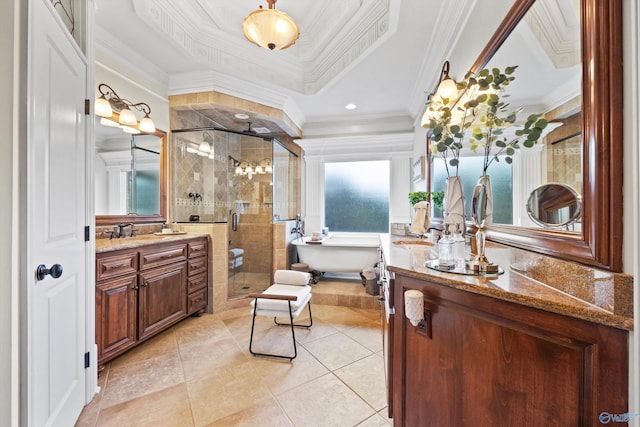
{"points": [[116, 314], [163, 298], [479, 361]]}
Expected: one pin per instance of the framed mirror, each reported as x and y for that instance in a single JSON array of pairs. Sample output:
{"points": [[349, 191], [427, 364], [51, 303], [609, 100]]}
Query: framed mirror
{"points": [[599, 243], [130, 176]]}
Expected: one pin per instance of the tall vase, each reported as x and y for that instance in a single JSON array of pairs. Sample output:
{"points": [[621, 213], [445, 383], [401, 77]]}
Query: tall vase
{"points": [[453, 203]]}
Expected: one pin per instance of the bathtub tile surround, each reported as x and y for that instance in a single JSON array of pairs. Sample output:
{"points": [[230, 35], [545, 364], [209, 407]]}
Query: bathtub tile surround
{"points": [[257, 391]]}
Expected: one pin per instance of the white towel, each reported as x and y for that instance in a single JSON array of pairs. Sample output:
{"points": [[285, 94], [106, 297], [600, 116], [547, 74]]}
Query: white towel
{"points": [[291, 277], [236, 252], [421, 220]]}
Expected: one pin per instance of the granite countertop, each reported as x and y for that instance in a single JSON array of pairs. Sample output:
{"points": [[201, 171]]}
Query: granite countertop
{"points": [[529, 279], [107, 245]]}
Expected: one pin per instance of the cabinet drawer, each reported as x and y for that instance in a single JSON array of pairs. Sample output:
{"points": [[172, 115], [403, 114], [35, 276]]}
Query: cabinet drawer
{"points": [[197, 301], [197, 249], [155, 257], [196, 282], [116, 265], [198, 265]]}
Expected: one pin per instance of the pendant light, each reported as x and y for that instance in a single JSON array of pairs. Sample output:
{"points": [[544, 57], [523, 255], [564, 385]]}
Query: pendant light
{"points": [[270, 28]]}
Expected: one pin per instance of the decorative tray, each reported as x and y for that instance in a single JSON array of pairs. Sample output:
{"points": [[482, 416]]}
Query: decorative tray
{"points": [[435, 265]]}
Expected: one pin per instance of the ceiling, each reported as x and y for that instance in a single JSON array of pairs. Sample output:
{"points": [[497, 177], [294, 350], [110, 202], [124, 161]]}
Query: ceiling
{"points": [[384, 56], [349, 51]]}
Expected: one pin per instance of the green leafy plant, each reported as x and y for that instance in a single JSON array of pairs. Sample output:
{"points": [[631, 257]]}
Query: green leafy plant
{"points": [[418, 196], [481, 116]]}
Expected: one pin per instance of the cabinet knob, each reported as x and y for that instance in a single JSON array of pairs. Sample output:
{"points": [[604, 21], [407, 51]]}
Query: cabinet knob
{"points": [[135, 288]]}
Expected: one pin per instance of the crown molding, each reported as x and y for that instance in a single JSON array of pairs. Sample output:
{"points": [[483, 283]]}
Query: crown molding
{"points": [[306, 67]]}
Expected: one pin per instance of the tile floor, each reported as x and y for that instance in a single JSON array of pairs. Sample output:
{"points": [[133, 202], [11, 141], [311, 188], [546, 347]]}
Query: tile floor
{"points": [[200, 372]]}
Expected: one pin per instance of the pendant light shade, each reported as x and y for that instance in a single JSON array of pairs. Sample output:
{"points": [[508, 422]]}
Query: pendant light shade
{"points": [[127, 117], [102, 107], [147, 125], [270, 28]]}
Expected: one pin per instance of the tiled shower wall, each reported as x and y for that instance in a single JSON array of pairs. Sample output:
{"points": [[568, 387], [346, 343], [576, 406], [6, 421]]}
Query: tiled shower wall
{"points": [[204, 178]]}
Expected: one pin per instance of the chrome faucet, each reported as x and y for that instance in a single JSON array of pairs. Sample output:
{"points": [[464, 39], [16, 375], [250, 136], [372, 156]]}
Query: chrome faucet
{"points": [[298, 229]]}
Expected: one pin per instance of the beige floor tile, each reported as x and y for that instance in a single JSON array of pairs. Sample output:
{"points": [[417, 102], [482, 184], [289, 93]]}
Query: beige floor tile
{"points": [[336, 351], [377, 420], [325, 401], [340, 317], [282, 375], [205, 359], [229, 391], [161, 345], [320, 329], [206, 328], [167, 408], [200, 372], [129, 381], [369, 335], [364, 378], [266, 413]]}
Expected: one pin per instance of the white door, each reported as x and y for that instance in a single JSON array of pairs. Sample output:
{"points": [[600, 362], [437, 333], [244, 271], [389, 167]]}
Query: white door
{"points": [[56, 218]]}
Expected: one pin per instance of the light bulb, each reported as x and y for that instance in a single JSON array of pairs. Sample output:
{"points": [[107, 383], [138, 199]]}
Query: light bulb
{"points": [[127, 117], [147, 125], [447, 89], [204, 147], [238, 170], [103, 107], [259, 169], [268, 169]]}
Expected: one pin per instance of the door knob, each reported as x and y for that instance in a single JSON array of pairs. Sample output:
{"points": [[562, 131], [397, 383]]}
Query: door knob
{"points": [[55, 271]]}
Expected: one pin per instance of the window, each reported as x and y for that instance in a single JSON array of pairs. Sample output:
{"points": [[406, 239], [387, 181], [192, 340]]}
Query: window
{"points": [[356, 196]]}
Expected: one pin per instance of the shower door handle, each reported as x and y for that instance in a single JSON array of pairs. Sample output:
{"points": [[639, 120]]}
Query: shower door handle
{"points": [[234, 221]]}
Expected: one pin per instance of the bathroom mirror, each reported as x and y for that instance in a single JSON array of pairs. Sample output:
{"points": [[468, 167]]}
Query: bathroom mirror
{"points": [[554, 205], [600, 241], [130, 176]]}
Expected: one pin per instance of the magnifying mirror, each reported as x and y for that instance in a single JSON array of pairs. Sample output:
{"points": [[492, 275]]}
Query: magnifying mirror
{"points": [[482, 212], [554, 205]]}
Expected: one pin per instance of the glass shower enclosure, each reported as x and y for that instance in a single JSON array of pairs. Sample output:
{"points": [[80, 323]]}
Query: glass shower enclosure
{"points": [[228, 177]]}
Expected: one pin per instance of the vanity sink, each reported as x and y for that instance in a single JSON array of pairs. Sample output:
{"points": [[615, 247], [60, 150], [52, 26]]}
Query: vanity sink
{"points": [[412, 243]]}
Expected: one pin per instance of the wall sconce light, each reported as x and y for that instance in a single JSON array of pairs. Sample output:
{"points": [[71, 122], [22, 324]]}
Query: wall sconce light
{"points": [[270, 28], [109, 101], [414, 306], [447, 88]]}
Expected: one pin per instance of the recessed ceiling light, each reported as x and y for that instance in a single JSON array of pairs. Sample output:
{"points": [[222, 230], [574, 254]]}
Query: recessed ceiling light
{"points": [[241, 116], [351, 106]]}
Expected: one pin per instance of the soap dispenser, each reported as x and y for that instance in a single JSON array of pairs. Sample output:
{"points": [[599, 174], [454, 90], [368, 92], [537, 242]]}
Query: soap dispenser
{"points": [[445, 250], [458, 247]]}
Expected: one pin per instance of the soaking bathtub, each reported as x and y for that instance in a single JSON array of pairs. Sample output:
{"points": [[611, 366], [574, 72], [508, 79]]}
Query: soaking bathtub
{"points": [[339, 253]]}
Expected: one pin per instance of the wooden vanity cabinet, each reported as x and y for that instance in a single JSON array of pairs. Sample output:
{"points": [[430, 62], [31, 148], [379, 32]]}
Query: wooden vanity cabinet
{"points": [[479, 361], [140, 292]]}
